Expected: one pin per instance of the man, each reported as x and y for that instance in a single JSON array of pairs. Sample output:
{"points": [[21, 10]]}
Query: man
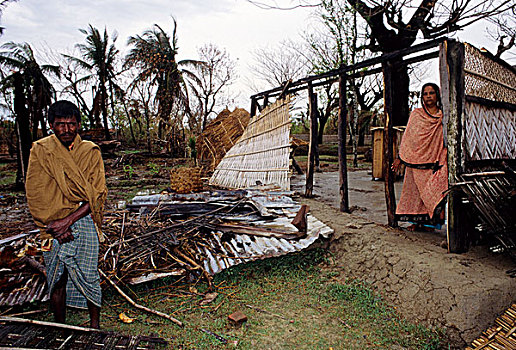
{"points": [[66, 190]]}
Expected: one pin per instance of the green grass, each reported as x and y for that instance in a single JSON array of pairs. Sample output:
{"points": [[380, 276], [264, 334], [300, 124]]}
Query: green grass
{"points": [[7, 174], [294, 304]]}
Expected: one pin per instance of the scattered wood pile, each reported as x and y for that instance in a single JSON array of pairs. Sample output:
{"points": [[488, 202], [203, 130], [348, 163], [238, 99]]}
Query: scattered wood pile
{"points": [[500, 336], [221, 134], [492, 195], [18, 333], [185, 180], [198, 235]]}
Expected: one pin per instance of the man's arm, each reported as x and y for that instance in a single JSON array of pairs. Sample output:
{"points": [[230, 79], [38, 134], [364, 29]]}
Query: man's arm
{"points": [[60, 229]]}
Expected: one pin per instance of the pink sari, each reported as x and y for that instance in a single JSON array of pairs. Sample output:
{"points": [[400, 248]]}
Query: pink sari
{"points": [[426, 174]]}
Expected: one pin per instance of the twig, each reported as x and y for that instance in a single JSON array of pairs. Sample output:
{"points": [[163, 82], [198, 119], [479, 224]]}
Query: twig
{"points": [[26, 313], [218, 337], [138, 306]]}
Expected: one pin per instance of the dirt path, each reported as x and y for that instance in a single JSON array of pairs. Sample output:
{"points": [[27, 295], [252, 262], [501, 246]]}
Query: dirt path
{"points": [[461, 293]]}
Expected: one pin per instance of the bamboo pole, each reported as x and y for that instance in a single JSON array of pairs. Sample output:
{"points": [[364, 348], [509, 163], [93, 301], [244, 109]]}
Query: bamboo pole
{"points": [[390, 198], [343, 167], [48, 324], [312, 98], [138, 306]]}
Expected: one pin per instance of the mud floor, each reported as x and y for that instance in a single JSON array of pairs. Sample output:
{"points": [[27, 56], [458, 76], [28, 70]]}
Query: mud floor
{"points": [[463, 294]]}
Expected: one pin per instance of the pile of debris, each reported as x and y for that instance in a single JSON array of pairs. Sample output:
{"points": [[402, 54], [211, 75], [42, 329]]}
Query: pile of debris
{"points": [[201, 234], [193, 235]]}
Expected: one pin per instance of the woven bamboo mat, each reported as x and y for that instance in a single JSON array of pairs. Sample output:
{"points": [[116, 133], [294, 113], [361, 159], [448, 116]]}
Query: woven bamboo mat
{"points": [[487, 78], [490, 132], [261, 155], [501, 336]]}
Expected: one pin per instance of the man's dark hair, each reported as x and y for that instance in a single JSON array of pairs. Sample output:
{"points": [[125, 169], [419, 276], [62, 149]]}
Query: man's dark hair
{"points": [[63, 109]]}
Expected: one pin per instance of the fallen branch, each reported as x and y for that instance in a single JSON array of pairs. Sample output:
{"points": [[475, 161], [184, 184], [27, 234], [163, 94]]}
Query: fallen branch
{"points": [[138, 306]]}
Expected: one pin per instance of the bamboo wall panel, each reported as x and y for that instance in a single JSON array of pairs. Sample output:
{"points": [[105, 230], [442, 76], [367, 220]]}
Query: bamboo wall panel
{"points": [[490, 132], [486, 78], [261, 155]]}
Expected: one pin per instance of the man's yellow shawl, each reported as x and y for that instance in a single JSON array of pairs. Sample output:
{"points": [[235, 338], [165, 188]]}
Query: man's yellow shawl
{"points": [[58, 180]]}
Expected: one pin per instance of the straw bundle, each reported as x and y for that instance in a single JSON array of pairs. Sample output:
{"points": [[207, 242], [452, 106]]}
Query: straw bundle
{"points": [[221, 134], [261, 155], [185, 180]]}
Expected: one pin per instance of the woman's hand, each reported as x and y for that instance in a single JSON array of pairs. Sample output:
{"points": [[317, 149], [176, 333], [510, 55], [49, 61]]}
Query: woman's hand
{"points": [[396, 165]]}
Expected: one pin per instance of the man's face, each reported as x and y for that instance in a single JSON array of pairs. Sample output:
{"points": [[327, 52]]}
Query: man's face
{"points": [[65, 128]]}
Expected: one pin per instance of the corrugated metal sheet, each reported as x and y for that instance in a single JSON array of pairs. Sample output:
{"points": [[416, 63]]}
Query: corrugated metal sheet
{"points": [[20, 284], [241, 248]]}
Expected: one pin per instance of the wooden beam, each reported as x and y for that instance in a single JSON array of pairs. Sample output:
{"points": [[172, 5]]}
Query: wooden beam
{"points": [[312, 147], [452, 80], [389, 176], [345, 69], [342, 128]]}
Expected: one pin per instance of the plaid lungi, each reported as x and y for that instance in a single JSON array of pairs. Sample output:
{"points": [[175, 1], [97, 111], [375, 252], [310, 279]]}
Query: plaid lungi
{"points": [[80, 257]]}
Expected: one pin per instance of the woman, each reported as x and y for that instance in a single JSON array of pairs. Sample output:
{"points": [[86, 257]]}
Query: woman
{"points": [[426, 174]]}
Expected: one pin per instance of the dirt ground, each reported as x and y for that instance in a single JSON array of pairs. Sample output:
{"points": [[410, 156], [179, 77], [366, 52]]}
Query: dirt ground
{"points": [[462, 294]]}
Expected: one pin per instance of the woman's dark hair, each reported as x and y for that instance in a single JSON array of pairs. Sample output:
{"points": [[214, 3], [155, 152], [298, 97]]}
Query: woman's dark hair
{"points": [[63, 109], [437, 93]]}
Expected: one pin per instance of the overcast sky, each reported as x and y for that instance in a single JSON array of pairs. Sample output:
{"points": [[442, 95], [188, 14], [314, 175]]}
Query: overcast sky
{"points": [[235, 25]]}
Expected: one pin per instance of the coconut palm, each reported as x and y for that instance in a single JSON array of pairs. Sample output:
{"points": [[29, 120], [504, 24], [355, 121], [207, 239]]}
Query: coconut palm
{"points": [[99, 57], [32, 91], [153, 53]]}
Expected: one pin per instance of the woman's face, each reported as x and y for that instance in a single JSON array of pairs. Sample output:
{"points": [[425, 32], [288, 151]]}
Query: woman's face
{"points": [[429, 97]]}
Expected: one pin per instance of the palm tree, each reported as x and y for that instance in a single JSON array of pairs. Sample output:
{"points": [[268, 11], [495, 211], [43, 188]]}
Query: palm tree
{"points": [[154, 54], [33, 93], [3, 5], [99, 57]]}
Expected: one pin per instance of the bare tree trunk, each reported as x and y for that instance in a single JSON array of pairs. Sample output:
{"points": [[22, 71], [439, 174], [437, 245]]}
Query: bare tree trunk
{"points": [[104, 111], [22, 129]]}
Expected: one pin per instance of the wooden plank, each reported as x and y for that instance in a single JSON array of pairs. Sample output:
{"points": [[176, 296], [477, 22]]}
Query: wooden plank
{"points": [[452, 81], [388, 158], [342, 128]]}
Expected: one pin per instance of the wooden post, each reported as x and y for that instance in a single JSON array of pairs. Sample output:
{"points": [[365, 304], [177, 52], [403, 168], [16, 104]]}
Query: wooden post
{"points": [[390, 198], [265, 101], [253, 107], [341, 125], [451, 69], [312, 97]]}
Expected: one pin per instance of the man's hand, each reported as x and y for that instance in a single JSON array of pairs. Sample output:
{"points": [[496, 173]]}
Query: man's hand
{"points": [[64, 237], [60, 230]]}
